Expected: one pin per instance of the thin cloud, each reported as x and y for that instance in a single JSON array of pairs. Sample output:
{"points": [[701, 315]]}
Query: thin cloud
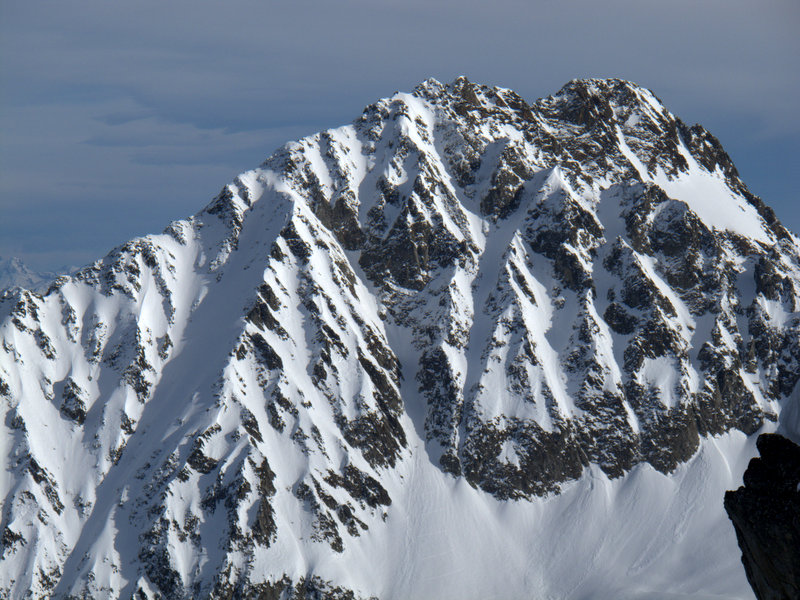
{"points": [[105, 104]]}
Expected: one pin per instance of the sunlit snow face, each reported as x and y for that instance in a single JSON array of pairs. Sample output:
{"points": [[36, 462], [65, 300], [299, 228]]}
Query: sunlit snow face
{"points": [[460, 328]]}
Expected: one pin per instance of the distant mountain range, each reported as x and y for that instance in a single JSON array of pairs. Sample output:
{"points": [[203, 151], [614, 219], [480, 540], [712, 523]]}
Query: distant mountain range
{"points": [[15, 273]]}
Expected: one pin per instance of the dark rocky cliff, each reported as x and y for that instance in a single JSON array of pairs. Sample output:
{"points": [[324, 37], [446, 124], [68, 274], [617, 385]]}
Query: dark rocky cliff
{"points": [[766, 515]]}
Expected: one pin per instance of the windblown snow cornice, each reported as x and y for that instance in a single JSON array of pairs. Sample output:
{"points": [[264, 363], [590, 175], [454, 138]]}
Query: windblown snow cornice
{"points": [[512, 292]]}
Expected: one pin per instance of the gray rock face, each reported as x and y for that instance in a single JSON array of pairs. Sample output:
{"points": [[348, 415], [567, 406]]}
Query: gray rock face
{"points": [[513, 292], [766, 515]]}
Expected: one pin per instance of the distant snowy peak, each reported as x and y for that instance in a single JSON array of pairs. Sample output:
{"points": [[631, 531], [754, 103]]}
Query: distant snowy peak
{"points": [[15, 273], [457, 301]]}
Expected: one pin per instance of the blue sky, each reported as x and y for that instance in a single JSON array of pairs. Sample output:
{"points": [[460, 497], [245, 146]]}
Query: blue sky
{"points": [[116, 119]]}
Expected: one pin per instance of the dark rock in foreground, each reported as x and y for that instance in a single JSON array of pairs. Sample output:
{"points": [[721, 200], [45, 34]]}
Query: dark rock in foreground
{"points": [[766, 515]]}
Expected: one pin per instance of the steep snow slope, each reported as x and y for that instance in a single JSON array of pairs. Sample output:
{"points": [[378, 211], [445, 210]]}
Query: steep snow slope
{"points": [[462, 347]]}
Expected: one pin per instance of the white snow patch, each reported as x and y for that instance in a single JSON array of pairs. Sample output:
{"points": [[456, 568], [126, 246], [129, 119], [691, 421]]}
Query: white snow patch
{"points": [[661, 374], [707, 195]]}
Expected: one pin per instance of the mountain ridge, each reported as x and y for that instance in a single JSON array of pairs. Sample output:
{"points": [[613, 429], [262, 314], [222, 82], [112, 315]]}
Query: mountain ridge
{"points": [[459, 291]]}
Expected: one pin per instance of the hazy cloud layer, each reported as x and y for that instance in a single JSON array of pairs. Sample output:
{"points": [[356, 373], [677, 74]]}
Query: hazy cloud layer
{"points": [[116, 118]]}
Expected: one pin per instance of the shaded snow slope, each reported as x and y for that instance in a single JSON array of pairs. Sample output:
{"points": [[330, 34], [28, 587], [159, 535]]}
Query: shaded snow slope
{"points": [[463, 346]]}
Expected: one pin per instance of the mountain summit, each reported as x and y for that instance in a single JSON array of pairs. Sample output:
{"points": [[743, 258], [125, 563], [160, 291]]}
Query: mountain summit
{"points": [[466, 346]]}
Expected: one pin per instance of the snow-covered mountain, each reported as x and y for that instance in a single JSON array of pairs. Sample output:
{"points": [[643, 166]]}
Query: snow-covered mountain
{"points": [[465, 347]]}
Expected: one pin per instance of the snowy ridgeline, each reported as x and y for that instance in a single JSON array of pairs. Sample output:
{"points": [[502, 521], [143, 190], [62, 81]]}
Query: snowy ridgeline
{"points": [[463, 347]]}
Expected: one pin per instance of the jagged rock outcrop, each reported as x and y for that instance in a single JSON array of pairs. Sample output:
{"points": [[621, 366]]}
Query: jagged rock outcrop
{"points": [[509, 297], [766, 515]]}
